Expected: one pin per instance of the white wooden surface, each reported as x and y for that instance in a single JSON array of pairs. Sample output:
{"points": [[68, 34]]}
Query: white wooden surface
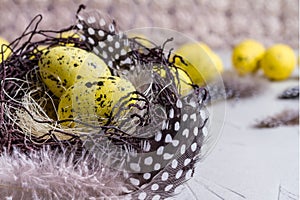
{"points": [[249, 163]]}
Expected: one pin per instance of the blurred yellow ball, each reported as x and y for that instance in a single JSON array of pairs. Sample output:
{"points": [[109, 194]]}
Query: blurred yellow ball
{"points": [[6, 51], [60, 67], [246, 56], [203, 65], [217, 61], [95, 101], [214, 57], [278, 62]]}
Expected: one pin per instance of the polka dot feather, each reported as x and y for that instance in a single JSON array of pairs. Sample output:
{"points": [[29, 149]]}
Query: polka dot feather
{"points": [[155, 164]]}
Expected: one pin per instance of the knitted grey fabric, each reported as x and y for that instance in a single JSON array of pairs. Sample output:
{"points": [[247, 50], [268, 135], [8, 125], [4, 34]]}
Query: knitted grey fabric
{"points": [[219, 23]]}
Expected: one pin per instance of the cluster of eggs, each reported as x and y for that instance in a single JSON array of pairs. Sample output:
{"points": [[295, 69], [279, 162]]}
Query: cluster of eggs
{"points": [[277, 62], [83, 82], [89, 92]]}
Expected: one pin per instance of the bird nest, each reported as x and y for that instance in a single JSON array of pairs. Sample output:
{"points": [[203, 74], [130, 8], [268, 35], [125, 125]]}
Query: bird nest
{"points": [[153, 149]]}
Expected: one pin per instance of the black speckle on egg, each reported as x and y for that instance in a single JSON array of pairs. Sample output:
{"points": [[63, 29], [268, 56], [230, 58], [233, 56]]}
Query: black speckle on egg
{"points": [[111, 78], [93, 65], [107, 115], [64, 82], [52, 78], [75, 65], [88, 85], [100, 83], [98, 99], [47, 52], [109, 104], [102, 104], [79, 77], [60, 58]]}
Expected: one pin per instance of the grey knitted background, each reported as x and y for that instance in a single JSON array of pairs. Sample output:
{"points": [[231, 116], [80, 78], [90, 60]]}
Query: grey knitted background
{"points": [[219, 23]]}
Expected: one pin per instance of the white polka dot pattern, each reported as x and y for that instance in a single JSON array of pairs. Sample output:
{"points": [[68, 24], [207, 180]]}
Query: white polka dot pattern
{"points": [[101, 36], [177, 159], [164, 161]]}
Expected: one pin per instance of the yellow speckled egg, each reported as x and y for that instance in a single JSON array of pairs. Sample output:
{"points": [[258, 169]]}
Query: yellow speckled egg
{"points": [[95, 101], [60, 67], [6, 51]]}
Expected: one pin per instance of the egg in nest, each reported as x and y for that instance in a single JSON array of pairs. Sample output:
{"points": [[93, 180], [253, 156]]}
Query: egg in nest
{"points": [[60, 67], [96, 101]]}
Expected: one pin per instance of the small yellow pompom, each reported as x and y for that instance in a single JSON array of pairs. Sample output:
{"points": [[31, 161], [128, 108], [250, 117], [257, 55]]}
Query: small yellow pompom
{"points": [[95, 101], [278, 62], [61, 67], [246, 56], [203, 65]]}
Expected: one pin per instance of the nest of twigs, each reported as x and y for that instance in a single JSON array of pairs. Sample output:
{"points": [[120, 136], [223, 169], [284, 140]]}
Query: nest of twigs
{"points": [[23, 93], [156, 122]]}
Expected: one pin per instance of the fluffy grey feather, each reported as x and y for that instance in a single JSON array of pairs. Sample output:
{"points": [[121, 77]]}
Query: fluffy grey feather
{"points": [[233, 86], [48, 174], [290, 93], [284, 118]]}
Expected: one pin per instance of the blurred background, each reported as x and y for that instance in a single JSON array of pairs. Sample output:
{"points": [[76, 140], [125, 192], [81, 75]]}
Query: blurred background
{"points": [[253, 163], [219, 23]]}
